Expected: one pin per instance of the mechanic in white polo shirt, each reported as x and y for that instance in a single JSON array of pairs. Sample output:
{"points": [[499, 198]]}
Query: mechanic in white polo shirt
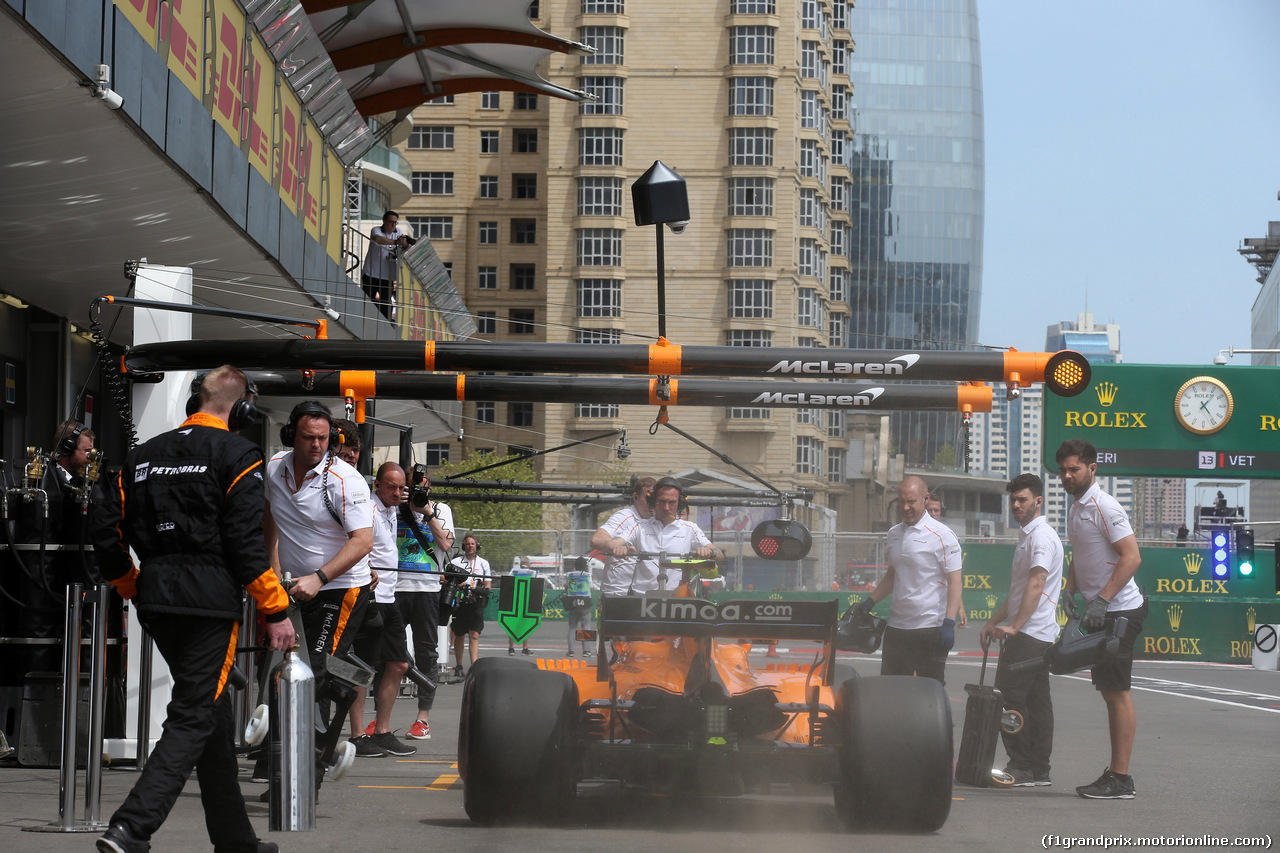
{"points": [[663, 532], [924, 579], [1027, 623], [319, 527], [1104, 559]]}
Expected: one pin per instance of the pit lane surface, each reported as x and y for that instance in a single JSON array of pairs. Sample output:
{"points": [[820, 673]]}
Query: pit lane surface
{"points": [[1206, 763]]}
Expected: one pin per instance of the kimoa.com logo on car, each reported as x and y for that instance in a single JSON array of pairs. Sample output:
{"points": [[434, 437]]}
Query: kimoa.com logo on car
{"points": [[677, 610]]}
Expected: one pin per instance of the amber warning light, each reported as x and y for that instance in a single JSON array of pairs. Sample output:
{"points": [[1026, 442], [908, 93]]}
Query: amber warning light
{"points": [[1067, 373]]}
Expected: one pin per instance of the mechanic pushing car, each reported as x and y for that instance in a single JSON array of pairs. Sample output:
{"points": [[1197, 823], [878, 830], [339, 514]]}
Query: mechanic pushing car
{"points": [[663, 533]]}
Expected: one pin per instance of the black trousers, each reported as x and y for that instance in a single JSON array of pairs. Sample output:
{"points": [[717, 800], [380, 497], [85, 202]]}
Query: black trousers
{"points": [[913, 651], [421, 612], [199, 733], [1027, 693]]}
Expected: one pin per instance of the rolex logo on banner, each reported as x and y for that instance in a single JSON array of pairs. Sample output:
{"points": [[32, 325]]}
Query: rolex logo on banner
{"points": [[1193, 562], [1175, 617]]}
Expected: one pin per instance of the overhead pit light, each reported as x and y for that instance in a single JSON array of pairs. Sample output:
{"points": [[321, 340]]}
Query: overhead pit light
{"points": [[1067, 373]]}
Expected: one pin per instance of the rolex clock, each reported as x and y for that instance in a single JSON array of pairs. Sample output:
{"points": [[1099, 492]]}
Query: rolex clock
{"points": [[1203, 405]]}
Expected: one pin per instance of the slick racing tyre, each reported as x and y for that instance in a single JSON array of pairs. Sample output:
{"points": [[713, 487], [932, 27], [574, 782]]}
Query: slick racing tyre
{"points": [[895, 753], [518, 744]]}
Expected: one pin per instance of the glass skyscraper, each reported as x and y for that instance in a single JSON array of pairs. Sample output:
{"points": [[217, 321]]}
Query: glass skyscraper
{"points": [[917, 174]]}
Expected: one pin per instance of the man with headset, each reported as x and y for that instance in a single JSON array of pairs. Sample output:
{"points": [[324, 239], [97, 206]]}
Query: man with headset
{"points": [[189, 502], [619, 570], [663, 532], [319, 525], [468, 615]]}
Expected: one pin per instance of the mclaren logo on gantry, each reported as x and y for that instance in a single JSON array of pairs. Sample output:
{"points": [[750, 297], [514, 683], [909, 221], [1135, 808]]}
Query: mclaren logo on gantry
{"points": [[893, 367], [866, 398]]}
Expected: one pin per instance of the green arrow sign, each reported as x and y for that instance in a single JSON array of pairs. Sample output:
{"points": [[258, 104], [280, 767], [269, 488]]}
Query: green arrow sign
{"points": [[519, 606]]}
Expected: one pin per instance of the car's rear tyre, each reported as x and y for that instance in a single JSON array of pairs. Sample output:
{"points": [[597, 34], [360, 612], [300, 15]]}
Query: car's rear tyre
{"points": [[518, 745], [481, 665], [895, 753]]}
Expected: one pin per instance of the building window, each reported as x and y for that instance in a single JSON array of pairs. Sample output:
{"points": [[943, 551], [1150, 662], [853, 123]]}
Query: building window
{"points": [[839, 148], [751, 196], [488, 186], [526, 101], [839, 97], [598, 336], [488, 233], [809, 109], [837, 193], [838, 330], [838, 230], [595, 410], [840, 14], [808, 455], [600, 146], [742, 413], [603, 7], [526, 140], [524, 231], [524, 186], [533, 10], [599, 297], [748, 338], [437, 454], [751, 96], [524, 277], [520, 414], [487, 322], [809, 59], [753, 7], [836, 284], [808, 158], [751, 45], [519, 449], [809, 416], [489, 142], [600, 247], [608, 96], [750, 247], [432, 227], [751, 298], [490, 100], [835, 423], [835, 464], [608, 42], [520, 321], [487, 278], [599, 196], [809, 14], [751, 146], [433, 183], [839, 50], [808, 208], [807, 259], [441, 101], [806, 304], [486, 413], [807, 342], [431, 137]]}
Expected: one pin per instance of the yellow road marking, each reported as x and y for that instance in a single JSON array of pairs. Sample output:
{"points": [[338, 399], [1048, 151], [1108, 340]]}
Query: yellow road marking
{"points": [[443, 783]]}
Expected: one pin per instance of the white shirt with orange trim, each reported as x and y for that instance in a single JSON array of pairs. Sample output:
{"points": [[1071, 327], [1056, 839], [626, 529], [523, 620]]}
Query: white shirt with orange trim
{"points": [[922, 555], [309, 536], [1038, 548], [383, 558], [619, 571], [675, 539], [1095, 522]]}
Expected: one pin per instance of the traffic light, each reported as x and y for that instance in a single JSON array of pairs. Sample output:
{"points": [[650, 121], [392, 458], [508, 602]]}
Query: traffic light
{"points": [[1244, 552], [1219, 553], [781, 540]]}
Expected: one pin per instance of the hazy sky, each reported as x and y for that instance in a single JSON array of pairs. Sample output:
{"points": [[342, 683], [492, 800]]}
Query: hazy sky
{"points": [[1131, 145]]}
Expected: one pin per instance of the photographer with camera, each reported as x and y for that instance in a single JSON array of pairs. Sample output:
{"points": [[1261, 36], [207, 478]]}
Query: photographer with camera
{"points": [[424, 535], [468, 615]]}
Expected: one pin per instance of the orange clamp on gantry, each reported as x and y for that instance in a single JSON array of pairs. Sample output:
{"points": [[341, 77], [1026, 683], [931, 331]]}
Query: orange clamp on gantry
{"points": [[358, 385], [973, 397], [664, 358], [655, 400]]}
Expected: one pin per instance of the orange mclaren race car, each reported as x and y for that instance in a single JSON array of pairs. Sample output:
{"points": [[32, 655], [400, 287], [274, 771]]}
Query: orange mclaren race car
{"points": [[674, 705]]}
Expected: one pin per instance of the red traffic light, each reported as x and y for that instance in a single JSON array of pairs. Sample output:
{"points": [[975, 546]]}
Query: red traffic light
{"points": [[781, 540]]}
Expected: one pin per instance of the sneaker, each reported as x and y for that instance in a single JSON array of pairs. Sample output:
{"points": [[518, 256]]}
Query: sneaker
{"points": [[570, 652], [118, 839], [419, 731], [367, 747], [511, 650], [526, 651], [1042, 778], [1021, 778], [457, 671], [1109, 786], [261, 771], [393, 745]]}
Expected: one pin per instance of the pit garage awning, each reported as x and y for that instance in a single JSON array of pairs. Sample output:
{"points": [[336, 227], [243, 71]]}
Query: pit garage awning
{"points": [[393, 55]]}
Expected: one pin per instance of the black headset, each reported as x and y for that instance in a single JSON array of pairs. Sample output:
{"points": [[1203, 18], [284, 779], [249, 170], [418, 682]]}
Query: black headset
{"points": [[310, 409], [70, 439], [243, 413], [664, 483]]}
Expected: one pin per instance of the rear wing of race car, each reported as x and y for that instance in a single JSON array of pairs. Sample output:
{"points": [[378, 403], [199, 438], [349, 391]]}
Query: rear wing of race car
{"points": [[746, 619]]}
